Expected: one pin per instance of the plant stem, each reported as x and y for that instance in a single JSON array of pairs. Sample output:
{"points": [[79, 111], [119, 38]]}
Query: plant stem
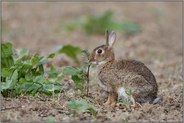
{"points": [[87, 88]]}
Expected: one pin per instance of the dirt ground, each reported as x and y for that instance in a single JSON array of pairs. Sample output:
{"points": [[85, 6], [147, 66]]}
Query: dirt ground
{"points": [[39, 27]]}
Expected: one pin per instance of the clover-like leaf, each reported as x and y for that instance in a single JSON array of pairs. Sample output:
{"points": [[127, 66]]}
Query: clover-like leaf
{"points": [[70, 70], [23, 53], [70, 51], [81, 106]]}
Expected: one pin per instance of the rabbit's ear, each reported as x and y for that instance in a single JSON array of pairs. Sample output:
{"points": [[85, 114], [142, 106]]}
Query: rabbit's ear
{"points": [[111, 39], [107, 37]]}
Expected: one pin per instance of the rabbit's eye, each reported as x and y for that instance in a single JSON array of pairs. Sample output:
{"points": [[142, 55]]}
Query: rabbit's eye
{"points": [[99, 51]]}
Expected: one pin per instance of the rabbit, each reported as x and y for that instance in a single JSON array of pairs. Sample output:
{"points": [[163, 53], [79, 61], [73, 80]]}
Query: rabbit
{"points": [[118, 75]]}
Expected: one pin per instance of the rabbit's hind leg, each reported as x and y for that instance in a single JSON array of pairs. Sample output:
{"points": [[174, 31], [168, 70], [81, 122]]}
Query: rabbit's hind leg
{"points": [[143, 95], [142, 89]]}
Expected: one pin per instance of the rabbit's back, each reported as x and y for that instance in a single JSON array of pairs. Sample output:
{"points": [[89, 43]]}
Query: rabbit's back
{"points": [[134, 67]]}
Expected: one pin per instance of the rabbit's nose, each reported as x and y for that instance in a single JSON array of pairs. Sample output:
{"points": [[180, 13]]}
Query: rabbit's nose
{"points": [[91, 59]]}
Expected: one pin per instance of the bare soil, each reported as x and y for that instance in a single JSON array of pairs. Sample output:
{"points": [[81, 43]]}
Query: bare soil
{"points": [[38, 26]]}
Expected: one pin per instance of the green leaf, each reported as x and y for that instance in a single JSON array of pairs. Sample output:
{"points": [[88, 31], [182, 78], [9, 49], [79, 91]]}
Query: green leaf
{"points": [[70, 70], [28, 87], [29, 77], [23, 53], [22, 80], [52, 87], [81, 106], [70, 51], [79, 82], [7, 72], [10, 83], [40, 79], [14, 79], [6, 85], [52, 55], [6, 50], [53, 72], [43, 61], [6, 55], [41, 70], [35, 59]]}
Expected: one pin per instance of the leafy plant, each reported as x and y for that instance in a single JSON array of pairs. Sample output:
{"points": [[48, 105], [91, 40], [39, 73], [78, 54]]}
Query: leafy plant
{"points": [[78, 107], [23, 73], [80, 75], [70, 51], [96, 24], [6, 55]]}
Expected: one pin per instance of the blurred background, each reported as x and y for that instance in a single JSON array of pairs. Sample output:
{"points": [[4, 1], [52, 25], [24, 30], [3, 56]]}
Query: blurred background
{"points": [[143, 28], [147, 31], [150, 32]]}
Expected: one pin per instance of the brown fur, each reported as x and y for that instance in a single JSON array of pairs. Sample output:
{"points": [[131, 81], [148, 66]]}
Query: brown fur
{"points": [[124, 73]]}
